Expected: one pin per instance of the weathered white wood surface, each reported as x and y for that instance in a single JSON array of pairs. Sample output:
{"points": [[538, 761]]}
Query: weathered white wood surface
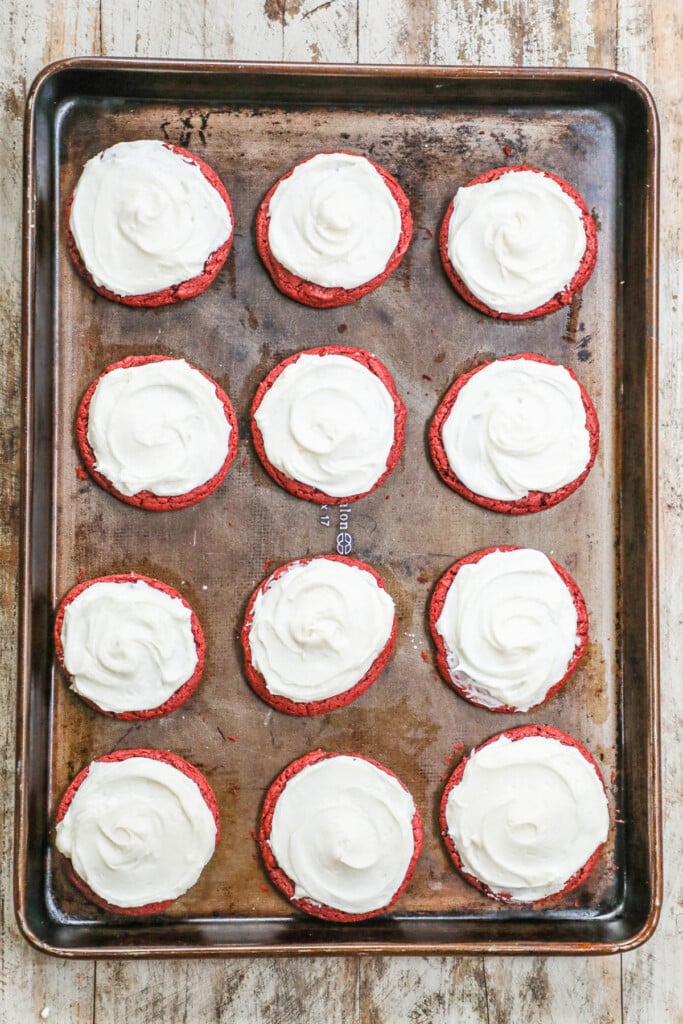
{"points": [[644, 37]]}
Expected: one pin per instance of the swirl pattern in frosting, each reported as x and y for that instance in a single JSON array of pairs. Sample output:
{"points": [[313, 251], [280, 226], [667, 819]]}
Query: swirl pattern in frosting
{"points": [[158, 426], [318, 627], [509, 628], [328, 422], [342, 831], [333, 221], [516, 240], [127, 646], [137, 831], [145, 218], [527, 815], [517, 425]]}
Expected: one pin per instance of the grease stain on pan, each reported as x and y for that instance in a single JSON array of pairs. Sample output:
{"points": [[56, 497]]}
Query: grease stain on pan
{"points": [[595, 692]]}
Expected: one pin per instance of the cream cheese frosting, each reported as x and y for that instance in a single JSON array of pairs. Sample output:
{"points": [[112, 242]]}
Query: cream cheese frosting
{"points": [[334, 221], [517, 425], [127, 646], [137, 831], [516, 240], [328, 422], [342, 832], [527, 815], [509, 628], [317, 628], [158, 427], [145, 218]]}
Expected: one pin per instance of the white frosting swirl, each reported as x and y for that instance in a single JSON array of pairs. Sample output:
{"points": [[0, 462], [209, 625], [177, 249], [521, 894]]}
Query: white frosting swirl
{"points": [[333, 221], [515, 241], [318, 628], [509, 627], [145, 218], [527, 815], [517, 426], [127, 646], [328, 422], [137, 831], [342, 832], [157, 427]]}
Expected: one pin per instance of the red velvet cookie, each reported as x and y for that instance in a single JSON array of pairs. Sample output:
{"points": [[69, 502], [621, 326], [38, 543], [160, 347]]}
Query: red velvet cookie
{"points": [[122, 755], [535, 501], [304, 490], [177, 292], [469, 691], [183, 692], [316, 295], [561, 298], [342, 835], [317, 707], [145, 498], [512, 819]]}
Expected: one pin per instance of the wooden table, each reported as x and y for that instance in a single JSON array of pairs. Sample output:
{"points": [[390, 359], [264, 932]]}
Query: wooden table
{"points": [[642, 37]]}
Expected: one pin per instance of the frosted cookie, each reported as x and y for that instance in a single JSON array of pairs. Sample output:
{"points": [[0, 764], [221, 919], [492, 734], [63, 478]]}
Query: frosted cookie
{"points": [[510, 626], [148, 223], [131, 646], [340, 836], [317, 633], [525, 815], [516, 435], [518, 242], [328, 424], [156, 432], [138, 827], [333, 229]]}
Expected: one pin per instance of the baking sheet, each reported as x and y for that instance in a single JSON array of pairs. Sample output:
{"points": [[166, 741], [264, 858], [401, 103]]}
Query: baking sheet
{"points": [[434, 129]]}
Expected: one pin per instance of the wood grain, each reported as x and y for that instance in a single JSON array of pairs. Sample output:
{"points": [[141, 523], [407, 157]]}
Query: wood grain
{"points": [[639, 36], [554, 991], [430, 990], [322, 32], [649, 44], [189, 28], [284, 991]]}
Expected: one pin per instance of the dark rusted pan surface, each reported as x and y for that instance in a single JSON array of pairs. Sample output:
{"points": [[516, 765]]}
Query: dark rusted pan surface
{"points": [[434, 129]]}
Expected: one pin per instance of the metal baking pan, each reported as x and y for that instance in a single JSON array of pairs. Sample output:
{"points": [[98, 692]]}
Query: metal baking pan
{"points": [[434, 129]]}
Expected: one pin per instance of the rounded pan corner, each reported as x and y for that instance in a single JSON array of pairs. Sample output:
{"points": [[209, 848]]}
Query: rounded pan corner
{"points": [[636, 87], [46, 74], [645, 933], [639, 937], [31, 935]]}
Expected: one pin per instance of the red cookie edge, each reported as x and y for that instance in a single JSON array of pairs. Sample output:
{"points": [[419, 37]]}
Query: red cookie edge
{"points": [[183, 692], [308, 293], [122, 755], [521, 732], [535, 501], [177, 292], [304, 491], [317, 707], [437, 602], [561, 298], [278, 876], [146, 499]]}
